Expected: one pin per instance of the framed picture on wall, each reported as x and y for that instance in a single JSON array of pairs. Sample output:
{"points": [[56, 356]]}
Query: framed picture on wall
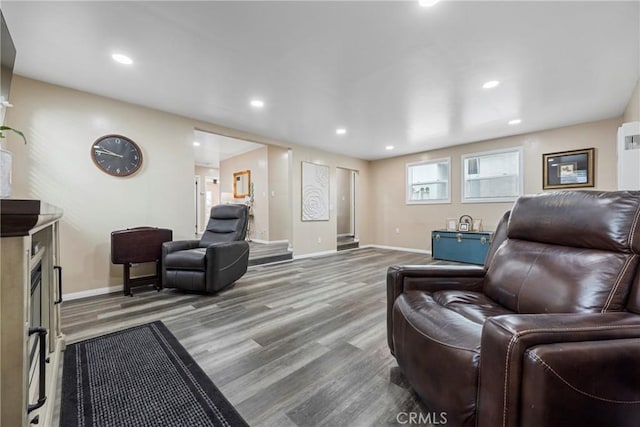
{"points": [[568, 169], [315, 192]]}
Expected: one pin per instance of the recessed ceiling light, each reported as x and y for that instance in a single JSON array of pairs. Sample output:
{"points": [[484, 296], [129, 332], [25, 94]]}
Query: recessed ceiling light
{"points": [[389, 147], [122, 59], [257, 103], [515, 121], [491, 84], [341, 131], [427, 3], [196, 144]]}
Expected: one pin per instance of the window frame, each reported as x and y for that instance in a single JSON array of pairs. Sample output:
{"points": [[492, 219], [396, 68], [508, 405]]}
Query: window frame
{"points": [[408, 185], [501, 199]]}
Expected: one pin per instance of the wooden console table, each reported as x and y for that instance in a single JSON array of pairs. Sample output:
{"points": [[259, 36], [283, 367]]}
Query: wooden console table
{"points": [[136, 246]]}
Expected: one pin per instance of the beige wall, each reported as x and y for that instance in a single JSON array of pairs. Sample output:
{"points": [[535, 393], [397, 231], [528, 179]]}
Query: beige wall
{"points": [[279, 194], [61, 124], [320, 236], [632, 113], [256, 162], [415, 222]]}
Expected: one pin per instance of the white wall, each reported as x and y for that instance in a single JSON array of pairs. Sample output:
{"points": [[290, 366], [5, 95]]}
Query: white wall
{"points": [[278, 194], [632, 112]]}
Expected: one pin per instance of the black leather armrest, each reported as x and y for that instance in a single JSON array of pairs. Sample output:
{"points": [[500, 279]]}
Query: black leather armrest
{"points": [[178, 245], [429, 278], [226, 262], [506, 339]]}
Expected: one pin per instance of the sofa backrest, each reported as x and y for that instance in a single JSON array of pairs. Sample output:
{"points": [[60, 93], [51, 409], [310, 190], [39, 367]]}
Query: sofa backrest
{"points": [[226, 224], [565, 252]]}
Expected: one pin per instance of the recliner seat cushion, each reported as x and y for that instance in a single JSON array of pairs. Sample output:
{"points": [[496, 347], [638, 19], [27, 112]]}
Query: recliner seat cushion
{"points": [[443, 329], [191, 259]]}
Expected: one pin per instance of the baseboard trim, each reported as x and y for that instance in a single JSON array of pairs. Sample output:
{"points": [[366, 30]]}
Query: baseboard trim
{"points": [[315, 254], [91, 293], [396, 248], [268, 242]]}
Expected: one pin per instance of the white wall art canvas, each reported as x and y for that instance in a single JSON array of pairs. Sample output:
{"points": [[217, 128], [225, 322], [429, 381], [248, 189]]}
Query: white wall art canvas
{"points": [[315, 192]]}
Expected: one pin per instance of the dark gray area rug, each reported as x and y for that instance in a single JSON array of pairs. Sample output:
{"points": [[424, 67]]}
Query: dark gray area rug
{"points": [[141, 376]]}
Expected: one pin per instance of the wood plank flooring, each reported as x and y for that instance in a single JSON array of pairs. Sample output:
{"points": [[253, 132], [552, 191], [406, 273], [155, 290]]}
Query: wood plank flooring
{"points": [[263, 253], [301, 343]]}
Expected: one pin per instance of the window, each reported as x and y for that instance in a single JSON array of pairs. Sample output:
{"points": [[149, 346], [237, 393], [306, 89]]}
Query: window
{"points": [[428, 181], [492, 176]]}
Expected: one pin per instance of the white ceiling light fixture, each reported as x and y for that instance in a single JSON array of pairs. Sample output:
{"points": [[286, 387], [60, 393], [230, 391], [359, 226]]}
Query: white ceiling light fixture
{"points": [[122, 59], [490, 84], [428, 3], [515, 121], [341, 131], [257, 103], [196, 144], [389, 147]]}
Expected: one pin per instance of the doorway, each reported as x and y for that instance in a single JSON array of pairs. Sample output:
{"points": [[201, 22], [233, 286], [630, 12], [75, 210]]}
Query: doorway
{"points": [[210, 198], [218, 160], [346, 182]]}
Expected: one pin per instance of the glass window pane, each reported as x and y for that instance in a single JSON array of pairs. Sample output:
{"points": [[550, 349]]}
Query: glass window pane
{"points": [[493, 176], [428, 182]]}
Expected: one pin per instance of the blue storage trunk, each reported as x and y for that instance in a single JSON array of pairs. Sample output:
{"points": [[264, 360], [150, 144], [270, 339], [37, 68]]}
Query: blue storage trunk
{"points": [[461, 246]]}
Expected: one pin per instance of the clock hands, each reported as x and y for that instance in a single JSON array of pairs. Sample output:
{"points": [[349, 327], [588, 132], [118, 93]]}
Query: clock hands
{"points": [[103, 150]]}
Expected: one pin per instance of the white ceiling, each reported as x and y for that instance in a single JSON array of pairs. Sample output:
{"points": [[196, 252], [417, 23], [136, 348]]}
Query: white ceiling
{"points": [[212, 148], [391, 73]]}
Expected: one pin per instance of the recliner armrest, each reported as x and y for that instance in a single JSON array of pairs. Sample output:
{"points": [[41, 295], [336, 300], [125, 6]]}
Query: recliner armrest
{"points": [[433, 278], [179, 245], [506, 338], [428, 278], [226, 262], [595, 382]]}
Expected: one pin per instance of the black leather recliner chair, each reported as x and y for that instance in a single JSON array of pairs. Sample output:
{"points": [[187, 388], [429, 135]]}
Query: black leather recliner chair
{"points": [[215, 261]]}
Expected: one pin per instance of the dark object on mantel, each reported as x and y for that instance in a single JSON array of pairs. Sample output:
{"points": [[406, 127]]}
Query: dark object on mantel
{"points": [[18, 216], [139, 245]]}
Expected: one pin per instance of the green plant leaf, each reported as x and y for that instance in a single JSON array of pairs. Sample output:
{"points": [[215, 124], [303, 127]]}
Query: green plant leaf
{"points": [[2, 128]]}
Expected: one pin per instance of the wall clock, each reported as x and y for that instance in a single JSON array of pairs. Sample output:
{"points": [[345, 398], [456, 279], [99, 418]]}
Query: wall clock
{"points": [[116, 155]]}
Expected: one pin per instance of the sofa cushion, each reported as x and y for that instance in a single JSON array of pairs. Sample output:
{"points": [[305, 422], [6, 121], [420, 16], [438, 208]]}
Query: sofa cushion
{"points": [[581, 219], [442, 329], [474, 306], [531, 277], [192, 259]]}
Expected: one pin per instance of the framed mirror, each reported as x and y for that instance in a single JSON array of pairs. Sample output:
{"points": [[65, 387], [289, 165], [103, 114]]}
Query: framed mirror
{"points": [[241, 182]]}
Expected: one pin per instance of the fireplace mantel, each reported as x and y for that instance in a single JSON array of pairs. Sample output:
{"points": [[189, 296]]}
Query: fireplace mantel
{"points": [[29, 243], [19, 216]]}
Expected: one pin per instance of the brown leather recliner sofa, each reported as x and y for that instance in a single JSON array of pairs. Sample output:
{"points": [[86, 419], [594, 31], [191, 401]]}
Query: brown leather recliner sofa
{"points": [[546, 334]]}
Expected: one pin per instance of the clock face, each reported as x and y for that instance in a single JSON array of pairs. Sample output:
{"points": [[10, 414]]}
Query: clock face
{"points": [[116, 155]]}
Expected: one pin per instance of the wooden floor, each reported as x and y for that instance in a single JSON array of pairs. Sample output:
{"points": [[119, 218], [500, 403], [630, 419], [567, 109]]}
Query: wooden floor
{"points": [[301, 343]]}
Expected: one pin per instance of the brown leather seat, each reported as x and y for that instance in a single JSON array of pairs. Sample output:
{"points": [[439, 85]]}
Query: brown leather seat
{"points": [[547, 333]]}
